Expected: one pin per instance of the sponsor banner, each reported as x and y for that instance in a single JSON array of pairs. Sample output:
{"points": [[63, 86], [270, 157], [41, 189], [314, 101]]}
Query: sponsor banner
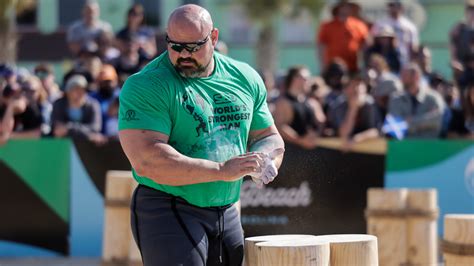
{"points": [[321, 191], [447, 166]]}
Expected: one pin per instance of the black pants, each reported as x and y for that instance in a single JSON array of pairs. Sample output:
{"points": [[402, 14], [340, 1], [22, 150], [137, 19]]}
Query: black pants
{"points": [[170, 231]]}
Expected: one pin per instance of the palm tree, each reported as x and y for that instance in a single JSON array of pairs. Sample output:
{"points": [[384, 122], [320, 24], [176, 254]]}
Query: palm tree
{"points": [[265, 13], [8, 35]]}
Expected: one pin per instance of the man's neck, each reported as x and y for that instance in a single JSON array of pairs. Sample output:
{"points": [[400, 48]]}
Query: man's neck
{"points": [[210, 69]]}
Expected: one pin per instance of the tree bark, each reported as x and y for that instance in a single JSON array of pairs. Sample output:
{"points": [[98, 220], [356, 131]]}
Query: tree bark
{"points": [[8, 36], [267, 48]]}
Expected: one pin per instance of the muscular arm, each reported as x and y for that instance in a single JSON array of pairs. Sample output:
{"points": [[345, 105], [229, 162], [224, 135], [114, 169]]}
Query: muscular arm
{"points": [[151, 156], [268, 140]]}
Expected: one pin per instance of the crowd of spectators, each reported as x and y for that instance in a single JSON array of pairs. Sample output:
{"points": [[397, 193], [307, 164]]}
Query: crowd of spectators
{"points": [[376, 80]]}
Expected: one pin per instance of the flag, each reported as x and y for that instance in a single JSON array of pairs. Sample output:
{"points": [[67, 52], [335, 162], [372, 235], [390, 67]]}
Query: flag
{"points": [[395, 127]]}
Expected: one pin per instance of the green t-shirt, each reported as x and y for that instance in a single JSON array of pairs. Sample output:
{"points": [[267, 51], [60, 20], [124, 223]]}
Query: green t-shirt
{"points": [[208, 118]]}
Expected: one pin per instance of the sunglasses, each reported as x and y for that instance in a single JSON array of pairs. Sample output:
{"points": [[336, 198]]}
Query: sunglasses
{"points": [[191, 47]]}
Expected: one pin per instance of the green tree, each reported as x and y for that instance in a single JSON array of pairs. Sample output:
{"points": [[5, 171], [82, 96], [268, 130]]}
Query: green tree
{"points": [[8, 35], [265, 14]]}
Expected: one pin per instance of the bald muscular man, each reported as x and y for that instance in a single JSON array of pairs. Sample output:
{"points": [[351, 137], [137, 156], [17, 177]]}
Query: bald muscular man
{"points": [[192, 123]]}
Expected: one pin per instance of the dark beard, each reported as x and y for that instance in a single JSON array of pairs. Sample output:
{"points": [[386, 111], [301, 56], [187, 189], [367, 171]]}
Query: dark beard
{"points": [[194, 71]]}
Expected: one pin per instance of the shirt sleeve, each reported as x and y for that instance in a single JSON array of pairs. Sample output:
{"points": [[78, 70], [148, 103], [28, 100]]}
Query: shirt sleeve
{"points": [[144, 104], [262, 118]]}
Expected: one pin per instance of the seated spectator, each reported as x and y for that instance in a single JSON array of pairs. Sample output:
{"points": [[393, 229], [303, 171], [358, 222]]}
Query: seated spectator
{"points": [[319, 91], [107, 47], [342, 37], [384, 84], [77, 115], [423, 58], [37, 97], [88, 29], [135, 29], [108, 90], [421, 107], [111, 126], [335, 76], [45, 73], [20, 112], [385, 45], [130, 60], [87, 64], [298, 117], [8, 74], [354, 114]]}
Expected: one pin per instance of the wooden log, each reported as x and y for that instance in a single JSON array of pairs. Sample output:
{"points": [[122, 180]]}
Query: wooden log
{"points": [[458, 244], [303, 251], [422, 236], [250, 248], [354, 250], [390, 230], [117, 233]]}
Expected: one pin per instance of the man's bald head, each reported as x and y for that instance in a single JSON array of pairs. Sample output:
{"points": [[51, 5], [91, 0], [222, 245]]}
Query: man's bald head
{"points": [[189, 18]]}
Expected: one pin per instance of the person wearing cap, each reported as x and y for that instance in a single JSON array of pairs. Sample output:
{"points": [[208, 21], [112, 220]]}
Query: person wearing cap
{"points": [[76, 114], [385, 45], [87, 29], [406, 33], [460, 46], [107, 91], [342, 37]]}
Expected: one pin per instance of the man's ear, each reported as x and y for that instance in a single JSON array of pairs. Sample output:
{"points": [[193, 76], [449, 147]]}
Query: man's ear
{"points": [[215, 36]]}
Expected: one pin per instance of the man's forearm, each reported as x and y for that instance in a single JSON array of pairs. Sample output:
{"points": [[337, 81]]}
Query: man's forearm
{"points": [[166, 166]]}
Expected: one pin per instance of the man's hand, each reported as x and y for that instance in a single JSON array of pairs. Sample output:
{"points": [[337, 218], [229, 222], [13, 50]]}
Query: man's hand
{"points": [[242, 165], [268, 170], [60, 130]]}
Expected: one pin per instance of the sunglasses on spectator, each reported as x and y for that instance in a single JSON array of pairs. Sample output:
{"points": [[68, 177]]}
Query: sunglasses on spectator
{"points": [[191, 47]]}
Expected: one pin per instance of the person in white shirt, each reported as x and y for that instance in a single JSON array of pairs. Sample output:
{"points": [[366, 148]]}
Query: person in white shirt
{"points": [[405, 31], [88, 29]]}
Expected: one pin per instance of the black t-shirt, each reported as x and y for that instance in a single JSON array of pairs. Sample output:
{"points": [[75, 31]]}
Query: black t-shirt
{"points": [[30, 119]]}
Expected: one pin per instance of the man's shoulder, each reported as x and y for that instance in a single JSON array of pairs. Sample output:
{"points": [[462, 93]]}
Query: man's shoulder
{"points": [[77, 25], [235, 67]]}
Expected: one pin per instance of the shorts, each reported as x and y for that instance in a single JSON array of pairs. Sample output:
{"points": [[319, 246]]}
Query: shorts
{"points": [[170, 231]]}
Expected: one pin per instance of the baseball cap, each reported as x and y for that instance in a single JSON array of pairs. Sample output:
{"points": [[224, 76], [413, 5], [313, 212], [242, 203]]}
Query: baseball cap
{"points": [[384, 31], [107, 73], [75, 81]]}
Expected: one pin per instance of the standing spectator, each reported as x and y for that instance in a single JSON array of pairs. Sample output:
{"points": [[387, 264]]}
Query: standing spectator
{"points": [[298, 117], [135, 28], [107, 91], [421, 107], [461, 46], [385, 45], [405, 31], [45, 73], [87, 29], [354, 115], [77, 115], [343, 37], [37, 99], [468, 105], [423, 58]]}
